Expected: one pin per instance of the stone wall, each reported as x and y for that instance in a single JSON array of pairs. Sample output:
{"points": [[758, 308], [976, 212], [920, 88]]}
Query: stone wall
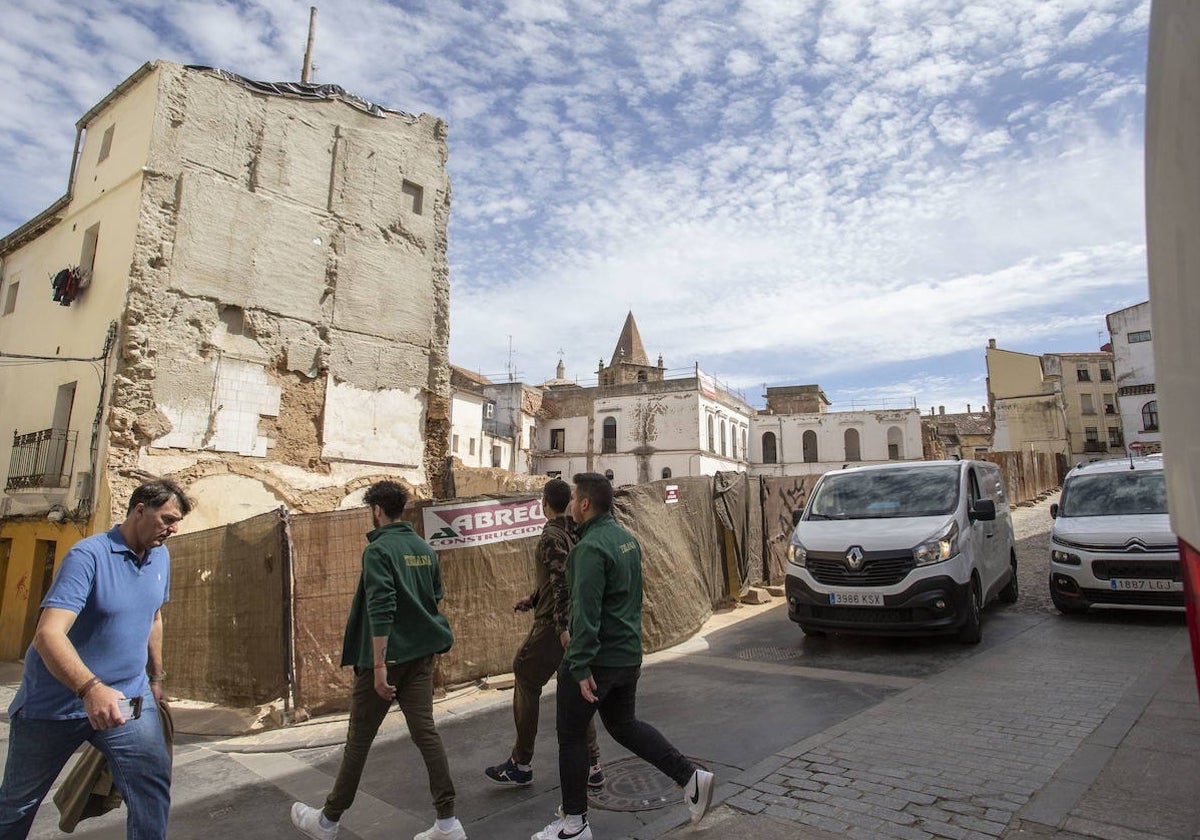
{"points": [[288, 306]]}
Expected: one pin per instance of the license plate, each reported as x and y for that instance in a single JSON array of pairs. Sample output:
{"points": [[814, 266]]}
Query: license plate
{"points": [[856, 599], [1139, 585]]}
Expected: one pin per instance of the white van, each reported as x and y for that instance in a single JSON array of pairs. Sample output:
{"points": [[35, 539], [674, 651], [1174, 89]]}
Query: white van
{"points": [[1112, 544], [911, 548]]}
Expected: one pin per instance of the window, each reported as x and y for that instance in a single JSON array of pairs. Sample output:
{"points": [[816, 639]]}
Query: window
{"points": [[712, 442], [558, 440], [1114, 437], [1138, 336], [608, 443], [1110, 404], [666, 472], [415, 194], [496, 456], [1150, 416], [106, 143], [1082, 374], [489, 410], [1105, 374], [554, 473], [641, 377], [608, 474], [10, 298], [1091, 434], [455, 445], [853, 449], [809, 444], [1085, 404], [87, 255], [471, 447], [768, 443], [723, 435]]}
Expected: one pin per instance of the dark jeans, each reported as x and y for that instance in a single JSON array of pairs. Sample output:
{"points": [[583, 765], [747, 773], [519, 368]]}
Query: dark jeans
{"points": [[414, 694], [616, 693], [533, 666]]}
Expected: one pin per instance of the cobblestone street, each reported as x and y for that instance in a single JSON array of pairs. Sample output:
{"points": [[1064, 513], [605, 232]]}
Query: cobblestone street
{"points": [[1031, 525]]}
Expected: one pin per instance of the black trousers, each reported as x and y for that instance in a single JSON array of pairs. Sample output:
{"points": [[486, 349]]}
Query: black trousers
{"points": [[616, 693]]}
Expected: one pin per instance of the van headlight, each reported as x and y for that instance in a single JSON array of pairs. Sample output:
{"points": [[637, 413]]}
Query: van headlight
{"points": [[941, 547], [796, 553]]}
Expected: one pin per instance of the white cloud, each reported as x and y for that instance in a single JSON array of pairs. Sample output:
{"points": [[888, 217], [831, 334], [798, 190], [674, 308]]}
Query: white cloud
{"points": [[761, 182]]}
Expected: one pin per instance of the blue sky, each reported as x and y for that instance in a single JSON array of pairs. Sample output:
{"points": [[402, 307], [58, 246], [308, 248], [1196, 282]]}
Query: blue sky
{"points": [[855, 194]]}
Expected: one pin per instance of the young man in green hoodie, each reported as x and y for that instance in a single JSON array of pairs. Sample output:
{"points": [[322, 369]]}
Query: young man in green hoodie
{"points": [[392, 635], [603, 660]]}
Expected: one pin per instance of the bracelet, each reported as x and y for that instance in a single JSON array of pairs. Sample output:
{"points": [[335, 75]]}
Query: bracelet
{"points": [[86, 687], [158, 677]]}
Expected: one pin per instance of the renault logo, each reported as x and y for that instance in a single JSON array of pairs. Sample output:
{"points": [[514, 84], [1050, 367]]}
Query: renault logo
{"points": [[854, 558]]}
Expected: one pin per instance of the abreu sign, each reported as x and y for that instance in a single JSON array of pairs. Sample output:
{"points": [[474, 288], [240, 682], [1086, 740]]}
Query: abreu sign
{"points": [[478, 523]]}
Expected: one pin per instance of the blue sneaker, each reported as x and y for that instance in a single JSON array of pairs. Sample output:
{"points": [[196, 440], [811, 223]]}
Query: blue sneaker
{"points": [[509, 773]]}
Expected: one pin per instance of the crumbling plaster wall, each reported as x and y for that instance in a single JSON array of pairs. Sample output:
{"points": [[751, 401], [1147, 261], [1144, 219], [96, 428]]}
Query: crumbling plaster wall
{"points": [[288, 306]]}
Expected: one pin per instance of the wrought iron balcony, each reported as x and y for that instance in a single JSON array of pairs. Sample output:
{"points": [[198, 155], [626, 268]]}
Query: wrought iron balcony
{"points": [[1095, 446], [41, 459]]}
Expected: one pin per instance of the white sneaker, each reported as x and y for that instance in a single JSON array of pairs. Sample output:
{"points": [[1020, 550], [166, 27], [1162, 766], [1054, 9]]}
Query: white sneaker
{"points": [[556, 831], [308, 821], [435, 833], [698, 793]]}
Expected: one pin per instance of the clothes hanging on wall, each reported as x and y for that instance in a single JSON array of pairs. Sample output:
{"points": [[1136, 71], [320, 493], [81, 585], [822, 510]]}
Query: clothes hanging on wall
{"points": [[68, 283]]}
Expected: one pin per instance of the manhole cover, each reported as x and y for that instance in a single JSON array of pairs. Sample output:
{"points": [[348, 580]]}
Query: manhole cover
{"points": [[769, 654], [634, 785]]}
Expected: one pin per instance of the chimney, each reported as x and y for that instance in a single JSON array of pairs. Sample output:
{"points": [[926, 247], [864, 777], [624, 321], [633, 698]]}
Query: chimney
{"points": [[968, 408], [991, 344], [941, 409]]}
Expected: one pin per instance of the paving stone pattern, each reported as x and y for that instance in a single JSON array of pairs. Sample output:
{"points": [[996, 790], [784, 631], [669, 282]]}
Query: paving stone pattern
{"points": [[959, 755]]}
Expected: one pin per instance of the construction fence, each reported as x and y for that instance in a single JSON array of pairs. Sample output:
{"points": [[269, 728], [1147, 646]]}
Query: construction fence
{"points": [[258, 607]]}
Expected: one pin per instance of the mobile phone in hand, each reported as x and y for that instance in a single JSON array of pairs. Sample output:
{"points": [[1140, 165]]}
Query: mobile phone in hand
{"points": [[130, 707]]}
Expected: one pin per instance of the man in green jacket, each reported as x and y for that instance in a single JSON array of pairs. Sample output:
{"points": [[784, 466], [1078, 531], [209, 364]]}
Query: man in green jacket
{"points": [[603, 661], [542, 651], [392, 635]]}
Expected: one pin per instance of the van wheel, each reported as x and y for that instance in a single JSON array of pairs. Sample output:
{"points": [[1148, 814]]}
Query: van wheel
{"points": [[1008, 595], [809, 630], [971, 633]]}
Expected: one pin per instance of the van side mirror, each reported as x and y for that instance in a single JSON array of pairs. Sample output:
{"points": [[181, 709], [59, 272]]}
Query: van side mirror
{"points": [[984, 510], [796, 514], [1054, 511]]}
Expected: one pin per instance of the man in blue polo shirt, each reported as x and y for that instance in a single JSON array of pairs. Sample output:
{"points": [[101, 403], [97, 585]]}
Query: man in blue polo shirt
{"points": [[94, 671]]}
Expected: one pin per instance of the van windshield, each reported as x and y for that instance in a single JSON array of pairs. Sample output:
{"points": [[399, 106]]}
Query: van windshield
{"points": [[886, 494], [1129, 492]]}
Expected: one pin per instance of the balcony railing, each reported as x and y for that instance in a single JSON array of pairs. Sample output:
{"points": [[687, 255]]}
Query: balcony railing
{"points": [[1095, 446], [41, 459]]}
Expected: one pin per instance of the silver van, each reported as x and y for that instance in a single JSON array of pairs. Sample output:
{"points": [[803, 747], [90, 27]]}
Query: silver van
{"points": [[909, 548], [1112, 545]]}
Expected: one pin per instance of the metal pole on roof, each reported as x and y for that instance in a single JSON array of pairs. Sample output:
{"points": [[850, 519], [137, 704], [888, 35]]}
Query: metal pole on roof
{"points": [[306, 71]]}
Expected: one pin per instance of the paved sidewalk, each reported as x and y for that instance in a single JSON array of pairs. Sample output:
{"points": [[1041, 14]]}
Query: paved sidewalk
{"points": [[1048, 745]]}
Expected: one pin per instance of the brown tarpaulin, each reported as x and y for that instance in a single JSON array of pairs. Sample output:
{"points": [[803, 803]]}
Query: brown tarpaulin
{"points": [[780, 496], [231, 581], [224, 638], [326, 561], [738, 508], [682, 563]]}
